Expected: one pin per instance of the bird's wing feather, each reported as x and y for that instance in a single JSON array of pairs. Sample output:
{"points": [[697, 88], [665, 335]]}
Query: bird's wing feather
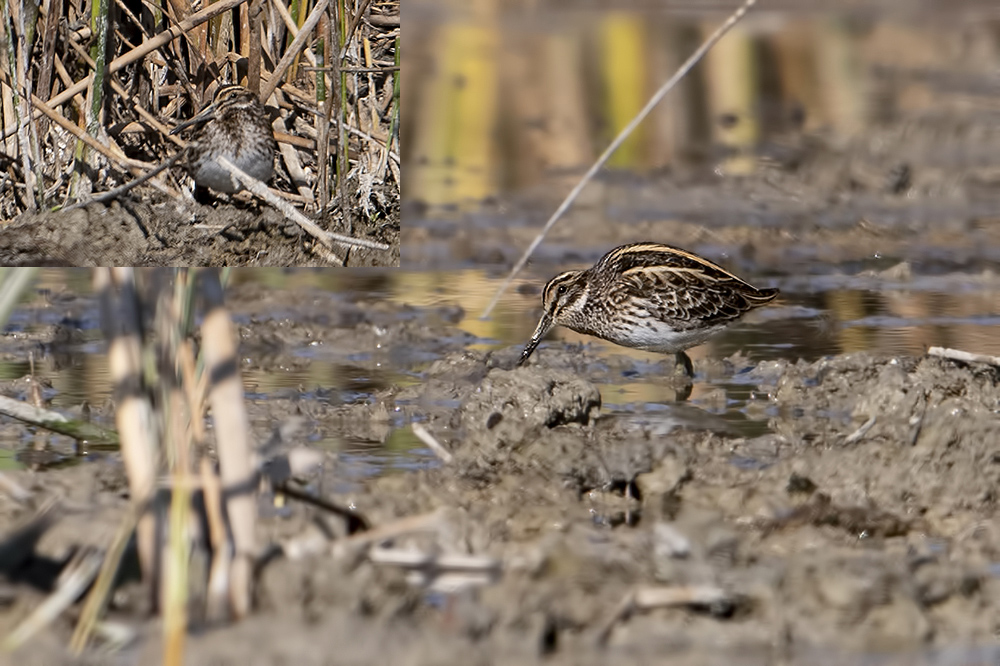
{"points": [[687, 295]]}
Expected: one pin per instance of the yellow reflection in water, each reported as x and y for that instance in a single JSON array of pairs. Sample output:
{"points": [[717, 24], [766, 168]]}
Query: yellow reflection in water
{"points": [[848, 306], [561, 144], [732, 92], [841, 76], [623, 51], [454, 144], [893, 320]]}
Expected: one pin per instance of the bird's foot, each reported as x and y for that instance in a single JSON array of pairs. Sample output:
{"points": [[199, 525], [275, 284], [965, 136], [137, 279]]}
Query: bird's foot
{"points": [[683, 365]]}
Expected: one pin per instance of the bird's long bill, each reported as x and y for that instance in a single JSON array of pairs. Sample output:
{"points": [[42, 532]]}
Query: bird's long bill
{"points": [[201, 117], [544, 324]]}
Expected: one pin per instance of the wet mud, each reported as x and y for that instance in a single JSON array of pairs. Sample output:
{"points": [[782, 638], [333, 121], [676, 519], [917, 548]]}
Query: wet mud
{"points": [[170, 234], [829, 203], [861, 522]]}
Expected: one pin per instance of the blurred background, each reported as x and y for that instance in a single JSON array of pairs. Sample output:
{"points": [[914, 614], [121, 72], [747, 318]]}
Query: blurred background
{"points": [[507, 97], [846, 152]]}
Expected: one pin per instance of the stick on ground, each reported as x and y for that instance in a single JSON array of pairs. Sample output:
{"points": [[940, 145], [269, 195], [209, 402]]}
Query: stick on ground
{"points": [[325, 237], [427, 438], [119, 191], [56, 422], [963, 356], [650, 597]]}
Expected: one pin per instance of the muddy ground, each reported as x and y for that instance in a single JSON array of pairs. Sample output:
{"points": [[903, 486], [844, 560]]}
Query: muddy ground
{"points": [[925, 190], [142, 233], [863, 522]]}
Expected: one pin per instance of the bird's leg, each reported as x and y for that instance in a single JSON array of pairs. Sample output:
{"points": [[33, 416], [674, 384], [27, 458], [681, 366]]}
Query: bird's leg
{"points": [[684, 361], [683, 392]]}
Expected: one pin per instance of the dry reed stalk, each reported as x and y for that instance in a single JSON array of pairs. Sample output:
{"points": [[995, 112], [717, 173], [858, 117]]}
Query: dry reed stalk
{"points": [[120, 91], [394, 126], [222, 551], [294, 49], [13, 283], [99, 16], [323, 117], [293, 27], [233, 437], [30, 153], [339, 106], [373, 120], [344, 60], [9, 115], [59, 119], [171, 340], [252, 49], [143, 50], [100, 592], [137, 426]]}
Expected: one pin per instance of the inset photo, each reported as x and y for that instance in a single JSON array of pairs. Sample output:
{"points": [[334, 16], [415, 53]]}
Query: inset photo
{"points": [[238, 133]]}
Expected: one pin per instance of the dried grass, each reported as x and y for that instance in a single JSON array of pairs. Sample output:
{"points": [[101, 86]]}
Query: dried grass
{"points": [[89, 92]]}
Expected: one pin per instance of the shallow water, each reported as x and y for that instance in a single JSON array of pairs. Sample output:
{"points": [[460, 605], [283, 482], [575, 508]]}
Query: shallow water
{"points": [[818, 315]]}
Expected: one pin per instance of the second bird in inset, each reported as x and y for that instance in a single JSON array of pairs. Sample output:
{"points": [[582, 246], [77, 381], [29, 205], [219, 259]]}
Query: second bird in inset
{"points": [[233, 126]]}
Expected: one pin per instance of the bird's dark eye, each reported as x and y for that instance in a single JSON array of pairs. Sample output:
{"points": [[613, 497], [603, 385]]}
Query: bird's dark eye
{"points": [[560, 290]]}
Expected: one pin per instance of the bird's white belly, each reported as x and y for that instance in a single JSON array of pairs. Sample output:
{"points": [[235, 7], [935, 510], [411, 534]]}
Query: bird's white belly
{"points": [[210, 173], [657, 336]]}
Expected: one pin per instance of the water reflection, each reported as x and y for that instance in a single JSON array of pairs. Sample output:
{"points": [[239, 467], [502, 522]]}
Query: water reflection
{"points": [[816, 316], [503, 96]]}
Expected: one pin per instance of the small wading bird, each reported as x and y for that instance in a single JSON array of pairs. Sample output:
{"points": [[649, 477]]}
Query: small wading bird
{"points": [[233, 126], [647, 296]]}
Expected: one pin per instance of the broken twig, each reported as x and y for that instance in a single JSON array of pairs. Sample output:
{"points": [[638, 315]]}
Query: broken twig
{"points": [[856, 436], [56, 422], [963, 356], [325, 237], [427, 438], [648, 598]]}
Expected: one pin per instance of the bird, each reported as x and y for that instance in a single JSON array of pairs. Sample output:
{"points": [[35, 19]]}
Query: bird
{"points": [[647, 296], [234, 125]]}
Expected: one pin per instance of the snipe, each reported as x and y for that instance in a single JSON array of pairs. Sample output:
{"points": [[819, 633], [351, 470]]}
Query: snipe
{"points": [[233, 126], [647, 296]]}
